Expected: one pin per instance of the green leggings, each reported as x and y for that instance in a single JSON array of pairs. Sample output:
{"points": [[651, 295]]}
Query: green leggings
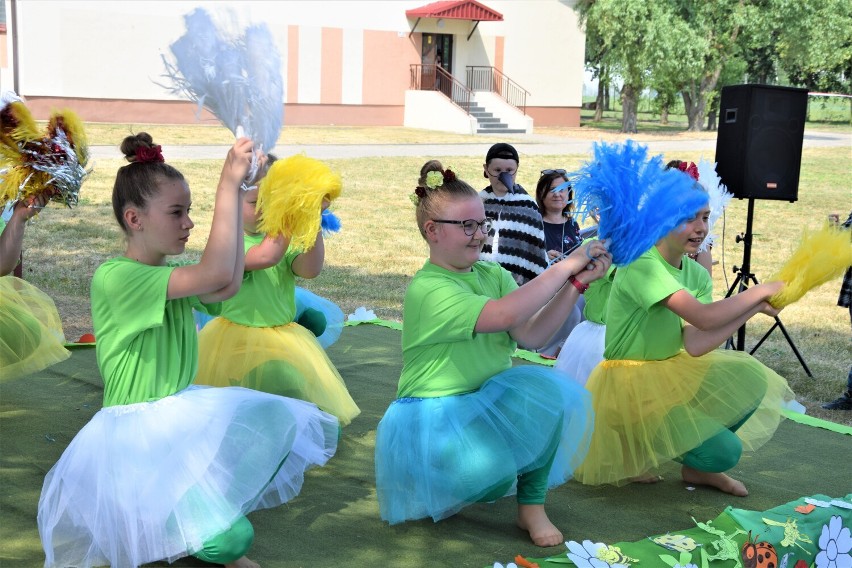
{"points": [[532, 485], [718, 453], [229, 545]]}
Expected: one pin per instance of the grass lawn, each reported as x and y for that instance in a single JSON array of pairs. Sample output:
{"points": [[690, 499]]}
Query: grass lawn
{"points": [[370, 262]]}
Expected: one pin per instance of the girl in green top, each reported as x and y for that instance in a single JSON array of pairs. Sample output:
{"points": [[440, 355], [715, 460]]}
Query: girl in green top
{"points": [[31, 337], [467, 426], [255, 343], [664, 392], [167, 469]]}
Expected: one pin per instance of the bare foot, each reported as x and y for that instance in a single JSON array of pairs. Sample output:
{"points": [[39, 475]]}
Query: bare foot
{"points": [[720, 481], [533, 519], [242, 562], [646, 478]]}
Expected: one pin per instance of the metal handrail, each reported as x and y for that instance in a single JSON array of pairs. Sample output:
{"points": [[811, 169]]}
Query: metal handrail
{"points": [[482, 78], [432, 77]]}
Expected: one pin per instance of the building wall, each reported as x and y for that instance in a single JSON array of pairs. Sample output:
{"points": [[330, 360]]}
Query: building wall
{"points": [[342, 62]]}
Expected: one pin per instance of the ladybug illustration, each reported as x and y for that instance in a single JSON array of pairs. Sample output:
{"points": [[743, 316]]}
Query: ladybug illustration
{"points": [[758, 554]]}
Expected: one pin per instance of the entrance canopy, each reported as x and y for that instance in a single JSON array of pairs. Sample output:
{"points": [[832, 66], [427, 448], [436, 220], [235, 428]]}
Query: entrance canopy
{"points": [[455, 10]]}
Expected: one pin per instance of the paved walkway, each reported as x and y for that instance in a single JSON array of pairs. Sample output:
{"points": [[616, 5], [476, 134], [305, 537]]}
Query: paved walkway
{"points": [[526, 145]]}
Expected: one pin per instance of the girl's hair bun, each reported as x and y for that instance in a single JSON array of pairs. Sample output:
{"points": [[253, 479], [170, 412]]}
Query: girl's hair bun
{"points": [[131, 145]]}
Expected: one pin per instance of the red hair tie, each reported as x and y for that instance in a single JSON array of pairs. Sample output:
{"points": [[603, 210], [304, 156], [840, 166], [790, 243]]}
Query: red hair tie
{"points": [[691, 170], [145, 154]]}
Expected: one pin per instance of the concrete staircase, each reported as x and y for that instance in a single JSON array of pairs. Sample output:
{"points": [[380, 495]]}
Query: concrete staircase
{"points": [[487, 123]]}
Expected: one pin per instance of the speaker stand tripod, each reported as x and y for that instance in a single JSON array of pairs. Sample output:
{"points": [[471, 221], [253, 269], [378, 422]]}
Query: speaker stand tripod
{"points": [[744, 277]]}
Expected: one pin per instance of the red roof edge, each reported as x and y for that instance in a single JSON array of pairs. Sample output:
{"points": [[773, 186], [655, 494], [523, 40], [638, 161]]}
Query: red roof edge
{"points": [[456, 10]]}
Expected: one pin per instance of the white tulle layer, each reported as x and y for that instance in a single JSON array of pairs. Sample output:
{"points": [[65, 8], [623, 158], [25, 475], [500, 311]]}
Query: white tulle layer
{"points": [[582, 351], [154, 480]]}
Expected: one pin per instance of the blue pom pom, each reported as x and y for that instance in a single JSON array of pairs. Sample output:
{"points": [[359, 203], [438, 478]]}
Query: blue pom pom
{"points": [[639, 201], [329, 222]]}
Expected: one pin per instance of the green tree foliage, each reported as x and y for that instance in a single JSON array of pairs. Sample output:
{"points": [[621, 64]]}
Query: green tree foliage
{"points": [[814, 43], [685, 45], [629, 37]]}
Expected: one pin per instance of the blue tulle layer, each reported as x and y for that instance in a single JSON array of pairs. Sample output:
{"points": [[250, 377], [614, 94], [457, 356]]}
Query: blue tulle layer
{"points": [[638, 199], [334, 318], [435, 456]]}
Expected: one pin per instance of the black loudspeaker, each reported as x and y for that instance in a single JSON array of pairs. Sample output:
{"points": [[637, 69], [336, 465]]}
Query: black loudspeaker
{"points": [[759, 143]]}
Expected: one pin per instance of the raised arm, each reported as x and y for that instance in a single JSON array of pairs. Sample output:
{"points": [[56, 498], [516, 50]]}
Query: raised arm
{"points": [[12, 238], [533, 312], [217, 275], [309, 264], [268, 253]]}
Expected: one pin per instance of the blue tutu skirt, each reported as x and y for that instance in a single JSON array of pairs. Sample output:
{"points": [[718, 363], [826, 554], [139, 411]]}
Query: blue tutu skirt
{"points": [[434, 456], [582, 351], [155, 480], [334, 317]]}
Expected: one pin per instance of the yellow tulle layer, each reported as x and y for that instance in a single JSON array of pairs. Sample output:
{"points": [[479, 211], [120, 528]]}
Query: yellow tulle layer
{"points": [[285, 360], [820, 256], [648, 413], [31, 336], [290, 198]]}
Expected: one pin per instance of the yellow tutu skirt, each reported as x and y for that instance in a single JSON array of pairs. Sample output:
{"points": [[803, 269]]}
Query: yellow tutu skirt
{"points": [[285, 360], [648, 413], [31, 337]]}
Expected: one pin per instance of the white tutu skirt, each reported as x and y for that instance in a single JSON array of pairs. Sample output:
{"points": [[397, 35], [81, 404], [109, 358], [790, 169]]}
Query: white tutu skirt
{"points": [[582, 351], [155, 480], [434, 456]]}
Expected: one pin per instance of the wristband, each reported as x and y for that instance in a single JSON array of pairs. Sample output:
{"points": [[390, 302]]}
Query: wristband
{"points": [[577, 284]]}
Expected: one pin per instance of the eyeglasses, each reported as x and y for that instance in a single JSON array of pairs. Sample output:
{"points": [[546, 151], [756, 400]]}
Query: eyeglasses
{"points": [[469, 225], [549, 172], [561, 187]]}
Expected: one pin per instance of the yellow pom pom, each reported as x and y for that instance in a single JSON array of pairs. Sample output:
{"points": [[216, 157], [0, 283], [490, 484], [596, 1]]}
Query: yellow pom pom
{"points": [[68, 121], [17, 124], [821, 256], [290, 198]]}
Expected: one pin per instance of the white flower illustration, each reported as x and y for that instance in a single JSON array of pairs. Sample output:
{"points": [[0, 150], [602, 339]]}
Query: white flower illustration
{"points": [[835, 543]]}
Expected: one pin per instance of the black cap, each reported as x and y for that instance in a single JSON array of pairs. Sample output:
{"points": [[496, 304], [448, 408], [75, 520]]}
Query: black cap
{"points": [[502, 150]]}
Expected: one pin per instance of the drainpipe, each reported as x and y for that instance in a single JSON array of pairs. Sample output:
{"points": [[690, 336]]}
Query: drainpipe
{"points": [[13, 13]]}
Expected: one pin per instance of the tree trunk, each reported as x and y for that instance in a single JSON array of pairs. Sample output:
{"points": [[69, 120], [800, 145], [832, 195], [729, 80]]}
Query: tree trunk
{"points": [[599, 100], [606, 96], [711, 119], [664, 114], [628, 109], [695, 113]]}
